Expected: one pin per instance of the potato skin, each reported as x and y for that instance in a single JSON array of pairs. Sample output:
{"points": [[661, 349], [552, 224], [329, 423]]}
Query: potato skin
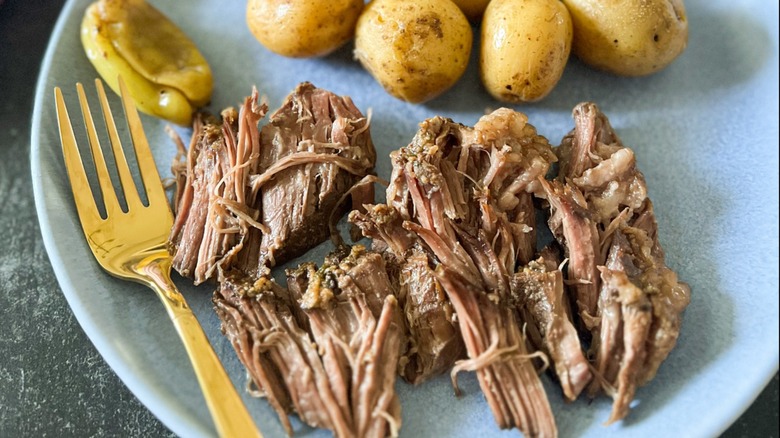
{"points": [[301, 29], [525, 47], [415, 49], [472, 8], [628, 37]]}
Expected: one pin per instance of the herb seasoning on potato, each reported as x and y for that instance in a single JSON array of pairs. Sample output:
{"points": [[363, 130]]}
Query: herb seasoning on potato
{"points": [[165, 73], [415, 49], [301, 29], [628, 37], [525, 47]]}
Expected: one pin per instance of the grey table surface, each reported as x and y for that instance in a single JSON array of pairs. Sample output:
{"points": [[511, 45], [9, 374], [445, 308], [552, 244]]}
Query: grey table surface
{"points": [[52, 380]]}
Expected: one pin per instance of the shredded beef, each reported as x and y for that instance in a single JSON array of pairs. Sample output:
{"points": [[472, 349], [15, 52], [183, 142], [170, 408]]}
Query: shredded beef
{"points": [[258, 197], [538, 289], [454, 281], [216, 208], [464, 194], [277, 353], [573, 226], [604, 220], [353, 317], [327, 348], [435, 341], [313, 150]]}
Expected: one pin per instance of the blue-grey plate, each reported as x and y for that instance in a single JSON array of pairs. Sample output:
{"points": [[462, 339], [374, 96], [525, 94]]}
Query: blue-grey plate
{"points": [[705, 132]]}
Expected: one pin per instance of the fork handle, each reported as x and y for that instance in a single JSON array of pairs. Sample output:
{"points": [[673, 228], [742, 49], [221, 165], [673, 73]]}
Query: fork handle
{"points": [[227, 410]]}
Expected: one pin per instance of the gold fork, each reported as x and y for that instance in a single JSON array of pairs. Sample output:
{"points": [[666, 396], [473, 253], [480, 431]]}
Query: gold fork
{"points": [[132, 245]]}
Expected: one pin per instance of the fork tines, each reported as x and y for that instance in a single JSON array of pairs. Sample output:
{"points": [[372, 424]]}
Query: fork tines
{"points": [[85, 201]]}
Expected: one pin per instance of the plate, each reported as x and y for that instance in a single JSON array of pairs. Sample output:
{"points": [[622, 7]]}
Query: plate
{"points": [[705, 134]]}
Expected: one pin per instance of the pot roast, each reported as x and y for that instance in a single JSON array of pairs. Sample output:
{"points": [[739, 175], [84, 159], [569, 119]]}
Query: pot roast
{"points": [[457, 278]]}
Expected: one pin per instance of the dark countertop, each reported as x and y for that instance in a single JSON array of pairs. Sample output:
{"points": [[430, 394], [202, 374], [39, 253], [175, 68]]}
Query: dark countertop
{"points": [[52, 380]]}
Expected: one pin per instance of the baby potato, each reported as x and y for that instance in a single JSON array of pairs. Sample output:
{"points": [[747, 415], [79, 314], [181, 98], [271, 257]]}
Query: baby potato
{"points": [[472, 8], [302, 29], [525, 47], [628, 37], [164, 72], [415, 49]]}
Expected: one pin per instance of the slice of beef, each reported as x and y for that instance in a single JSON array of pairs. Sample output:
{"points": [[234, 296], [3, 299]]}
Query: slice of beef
{"points": [[608, 344], [353, 318], [279, 356], [384, 224], [572, 225], [640, 299], [668, 295], [642, 302], [594, 160], [216, 209], [538, 289], [526, 220], [253, 198], [496, 345], [435, 340], [460, 192], [327, 348], [622, 360], [313, 150], [592, 140]]}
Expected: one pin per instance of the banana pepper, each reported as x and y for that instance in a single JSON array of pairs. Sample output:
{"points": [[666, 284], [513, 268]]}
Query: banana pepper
{"points": [[164, 71]]}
